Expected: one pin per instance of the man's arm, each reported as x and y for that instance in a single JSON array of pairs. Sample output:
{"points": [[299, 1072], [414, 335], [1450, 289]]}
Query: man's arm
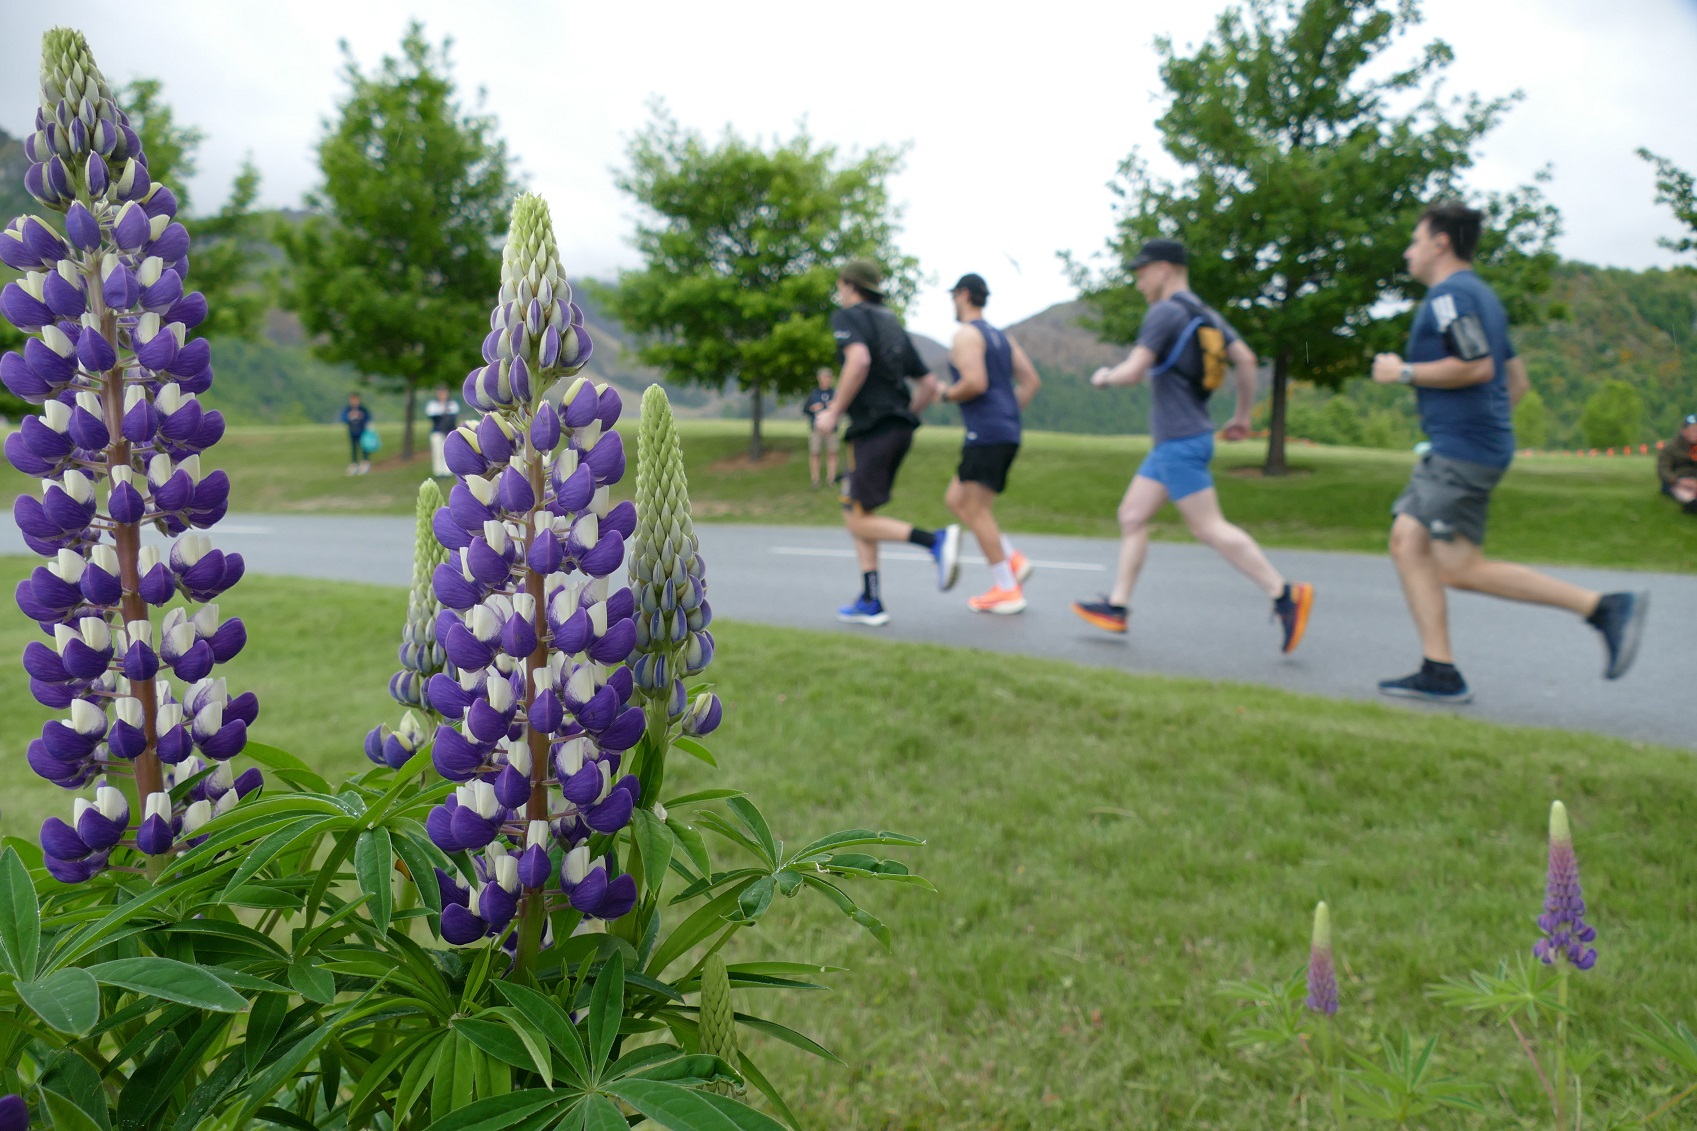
{"points": [[1025, 379], [857, 363], [966, 354], [1519, 384], [1133, 369], [1244, 366], [1447, 373]]}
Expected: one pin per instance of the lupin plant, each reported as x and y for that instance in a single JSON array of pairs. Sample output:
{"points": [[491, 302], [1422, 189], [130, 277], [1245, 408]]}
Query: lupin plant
{"points": [[118, 447], [422, 654], [536, 722]]}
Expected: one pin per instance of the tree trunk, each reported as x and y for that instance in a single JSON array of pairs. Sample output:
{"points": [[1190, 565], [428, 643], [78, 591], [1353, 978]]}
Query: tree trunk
{"points": [[406, 434], [755, 448], [1275, 464]]}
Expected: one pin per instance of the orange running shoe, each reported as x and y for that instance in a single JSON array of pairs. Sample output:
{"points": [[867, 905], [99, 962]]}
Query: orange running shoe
{"points": [[1004, 602], [1021, 566], [1291, 609]]}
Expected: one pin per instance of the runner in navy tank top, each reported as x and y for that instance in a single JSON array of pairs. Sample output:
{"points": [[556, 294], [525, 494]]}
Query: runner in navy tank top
{"points": [[992, 381]]}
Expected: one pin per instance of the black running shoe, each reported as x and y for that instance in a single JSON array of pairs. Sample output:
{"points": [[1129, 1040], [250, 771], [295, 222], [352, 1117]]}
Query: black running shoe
{"points": [[1620, 618], [1435, 683]]}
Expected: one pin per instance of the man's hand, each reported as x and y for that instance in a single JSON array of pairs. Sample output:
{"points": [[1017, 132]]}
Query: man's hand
{"points": [[1387, 369], [1236, 429], [826, 421], [1100, 377]]}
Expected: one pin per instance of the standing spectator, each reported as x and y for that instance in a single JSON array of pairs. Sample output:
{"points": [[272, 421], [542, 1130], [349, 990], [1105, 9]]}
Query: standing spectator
{"points": [[1676, 463], [444, 413], [878, 360], [358, 419], [1466, 379], [817, 441]]}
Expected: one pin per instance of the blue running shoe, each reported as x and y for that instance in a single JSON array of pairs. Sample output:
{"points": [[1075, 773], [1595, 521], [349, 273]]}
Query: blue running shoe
{"points": [[946, 549], [1434, 683], [864, 611]]}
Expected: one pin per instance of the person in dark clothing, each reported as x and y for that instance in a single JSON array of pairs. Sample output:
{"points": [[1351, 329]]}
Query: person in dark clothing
{"points": [[821, 443], [993, 382], [1676, 466], [1467, 379], [877, 360], [357, 418]]}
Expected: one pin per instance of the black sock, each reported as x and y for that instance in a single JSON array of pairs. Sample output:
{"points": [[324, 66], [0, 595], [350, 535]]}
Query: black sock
{"points": [[926, 538], [869, 585]]}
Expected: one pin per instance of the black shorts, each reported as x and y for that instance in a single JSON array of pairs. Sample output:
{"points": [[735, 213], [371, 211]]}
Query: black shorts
{"points": [[877, 458], [987, 464], [1449, 497]]}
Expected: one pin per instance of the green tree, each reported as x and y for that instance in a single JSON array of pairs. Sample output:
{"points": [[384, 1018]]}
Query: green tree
{"points": [[1613, 416], [1678, 190], [393, 274], [1532, 421], [740, 245], [1307, 158], [228, 253]]}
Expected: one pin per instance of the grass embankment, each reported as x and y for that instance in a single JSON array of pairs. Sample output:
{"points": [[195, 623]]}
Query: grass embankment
{"points": [[1107, 848], [1550, 509]]}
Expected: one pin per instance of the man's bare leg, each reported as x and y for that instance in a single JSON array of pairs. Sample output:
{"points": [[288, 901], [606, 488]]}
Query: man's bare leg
{"points": [[1143, 498], [1201, 512]]}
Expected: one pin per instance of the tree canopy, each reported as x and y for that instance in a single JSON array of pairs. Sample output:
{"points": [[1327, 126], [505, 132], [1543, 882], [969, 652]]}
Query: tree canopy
{"points": [[1305, 159], [397, 270], [741, 243]]}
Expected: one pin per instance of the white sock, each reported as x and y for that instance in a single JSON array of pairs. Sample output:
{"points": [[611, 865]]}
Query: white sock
{"points": [[1002, 574], [1007, 547]]}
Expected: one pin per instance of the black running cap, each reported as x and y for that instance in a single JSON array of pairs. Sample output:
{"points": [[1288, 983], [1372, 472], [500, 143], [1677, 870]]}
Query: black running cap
{"points": [[1160, 251], [975, 287]]}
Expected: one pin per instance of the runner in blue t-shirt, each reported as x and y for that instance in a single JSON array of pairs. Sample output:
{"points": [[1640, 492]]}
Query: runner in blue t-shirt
{"points": [[992, 383], [1171, 352], [1467, 380]]}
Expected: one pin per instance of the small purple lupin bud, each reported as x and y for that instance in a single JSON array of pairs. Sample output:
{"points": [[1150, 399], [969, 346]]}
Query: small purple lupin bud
{"points": [[82, 227], [1322, 975], [155, 835]]}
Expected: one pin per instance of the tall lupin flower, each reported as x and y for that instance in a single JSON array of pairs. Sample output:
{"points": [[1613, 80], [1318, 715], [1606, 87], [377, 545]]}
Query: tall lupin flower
{"points": [[108, 358], [1563, 920], [671, 578], [422, 654], [537, 717], [1322, 974]]}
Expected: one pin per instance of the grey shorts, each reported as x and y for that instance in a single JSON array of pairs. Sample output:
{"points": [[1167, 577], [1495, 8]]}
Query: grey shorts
{"points": [[1449, 496]]}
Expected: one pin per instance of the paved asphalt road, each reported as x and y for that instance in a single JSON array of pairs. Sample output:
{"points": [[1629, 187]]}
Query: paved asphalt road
{"points": [[1193, 615]]}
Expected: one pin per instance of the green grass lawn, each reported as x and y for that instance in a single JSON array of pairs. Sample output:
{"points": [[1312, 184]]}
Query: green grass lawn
{"points": [[1549, 509], [1106, 847]]}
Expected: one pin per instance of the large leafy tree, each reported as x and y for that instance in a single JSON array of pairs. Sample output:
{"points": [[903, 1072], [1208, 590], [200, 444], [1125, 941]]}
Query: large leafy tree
{"points": [[229, 256], [1677, 189], [740, 245], [393, 273], [1305, 159]]}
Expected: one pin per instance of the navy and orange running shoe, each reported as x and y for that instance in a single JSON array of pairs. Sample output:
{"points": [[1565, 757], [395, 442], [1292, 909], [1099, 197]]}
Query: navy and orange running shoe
{"points": [[1104, 614], [1291, 609]]}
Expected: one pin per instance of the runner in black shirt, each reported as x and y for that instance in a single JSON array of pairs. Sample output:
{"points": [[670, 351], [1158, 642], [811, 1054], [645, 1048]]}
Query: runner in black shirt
{"points": [[877, 360]]}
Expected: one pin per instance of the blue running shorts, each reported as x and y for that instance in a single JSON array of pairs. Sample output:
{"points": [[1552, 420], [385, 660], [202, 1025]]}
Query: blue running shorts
{"points": [[1181, 465]]}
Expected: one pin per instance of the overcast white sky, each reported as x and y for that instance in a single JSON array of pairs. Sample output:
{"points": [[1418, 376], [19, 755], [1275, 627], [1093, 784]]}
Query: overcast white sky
{"points": [[1017, 116]]}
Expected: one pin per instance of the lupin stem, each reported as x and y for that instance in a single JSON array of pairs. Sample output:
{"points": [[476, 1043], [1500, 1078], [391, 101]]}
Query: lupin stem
{"points": [[150, 776]]}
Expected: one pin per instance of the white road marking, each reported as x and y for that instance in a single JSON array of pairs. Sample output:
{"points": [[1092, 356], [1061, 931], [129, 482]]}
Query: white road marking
{"points": [[905, 556]]}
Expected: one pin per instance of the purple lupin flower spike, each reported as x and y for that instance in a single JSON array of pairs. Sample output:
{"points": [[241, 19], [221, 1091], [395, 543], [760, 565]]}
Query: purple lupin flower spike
{"points": [[527, 629], [1563, 922], [117, 447], [1322, 975]]}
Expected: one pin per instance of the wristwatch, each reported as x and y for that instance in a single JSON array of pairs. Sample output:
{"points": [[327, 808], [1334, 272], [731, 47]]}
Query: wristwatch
{"points": [[1405, 375]]}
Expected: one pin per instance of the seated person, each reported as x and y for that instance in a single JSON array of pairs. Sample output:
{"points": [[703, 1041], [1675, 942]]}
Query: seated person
{"points": [[1677, 466]]}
